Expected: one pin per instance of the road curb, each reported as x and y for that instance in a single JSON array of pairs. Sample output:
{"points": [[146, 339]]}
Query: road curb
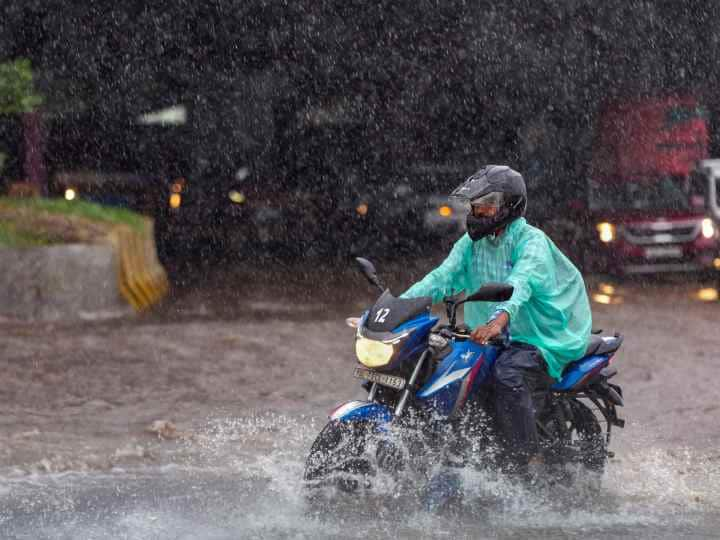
{"points": [[142, 280]]}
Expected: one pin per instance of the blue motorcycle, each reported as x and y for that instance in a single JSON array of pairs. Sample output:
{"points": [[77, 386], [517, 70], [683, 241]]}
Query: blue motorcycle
{"points": [[430, 398]]}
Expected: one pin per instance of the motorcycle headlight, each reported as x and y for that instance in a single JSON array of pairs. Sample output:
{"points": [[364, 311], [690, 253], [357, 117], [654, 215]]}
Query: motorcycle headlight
{"points": [[373, 354]]}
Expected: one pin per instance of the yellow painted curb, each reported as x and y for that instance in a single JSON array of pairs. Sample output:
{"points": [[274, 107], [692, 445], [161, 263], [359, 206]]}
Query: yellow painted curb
{"points": [[142, 280]]}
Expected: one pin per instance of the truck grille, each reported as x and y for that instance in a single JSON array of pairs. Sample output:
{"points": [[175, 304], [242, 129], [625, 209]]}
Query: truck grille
{"points": [[662, 232]]}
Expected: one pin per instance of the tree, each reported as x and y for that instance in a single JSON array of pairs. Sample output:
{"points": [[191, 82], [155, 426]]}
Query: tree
{"points": [[17, 92]]}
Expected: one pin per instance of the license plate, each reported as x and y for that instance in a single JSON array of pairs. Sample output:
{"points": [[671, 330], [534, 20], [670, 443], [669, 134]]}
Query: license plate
{"points": [[398, 383], [671, 252]]}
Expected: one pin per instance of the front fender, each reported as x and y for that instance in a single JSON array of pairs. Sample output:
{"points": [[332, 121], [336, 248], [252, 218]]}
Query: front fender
{"points": [[369, 411]]}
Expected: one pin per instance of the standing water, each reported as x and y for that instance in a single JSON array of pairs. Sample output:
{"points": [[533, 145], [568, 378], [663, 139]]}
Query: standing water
{"points": [[242, 478]]}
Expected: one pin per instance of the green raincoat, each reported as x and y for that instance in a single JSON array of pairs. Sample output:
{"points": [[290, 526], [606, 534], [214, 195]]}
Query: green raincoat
{"points": [[549, 307]]}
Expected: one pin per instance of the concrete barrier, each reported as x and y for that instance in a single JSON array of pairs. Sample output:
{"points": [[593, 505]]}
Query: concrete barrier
{"points": [[83, 281], [64, 282]]}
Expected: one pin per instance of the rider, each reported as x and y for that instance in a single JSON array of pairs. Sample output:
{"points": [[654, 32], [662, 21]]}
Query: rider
{"points": [[548, 316]]}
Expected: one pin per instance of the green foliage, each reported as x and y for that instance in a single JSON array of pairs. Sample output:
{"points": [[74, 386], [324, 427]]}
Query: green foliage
{"points": [[12, 237], [82, 209], [17, 92]]}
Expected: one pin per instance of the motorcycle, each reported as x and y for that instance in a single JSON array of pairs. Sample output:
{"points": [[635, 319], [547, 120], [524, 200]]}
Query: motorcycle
{"points": [[430, 399]]}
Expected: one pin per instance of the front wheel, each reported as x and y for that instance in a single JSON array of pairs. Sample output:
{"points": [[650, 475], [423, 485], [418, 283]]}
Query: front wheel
{"points": [[337, 455]]}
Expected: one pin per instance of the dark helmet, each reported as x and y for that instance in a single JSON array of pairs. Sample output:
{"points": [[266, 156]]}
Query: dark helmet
{"points": [[503, 186]]}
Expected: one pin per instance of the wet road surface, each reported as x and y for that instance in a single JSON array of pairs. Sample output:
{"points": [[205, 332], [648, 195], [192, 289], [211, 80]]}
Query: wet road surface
{"points": [[248, 372]]}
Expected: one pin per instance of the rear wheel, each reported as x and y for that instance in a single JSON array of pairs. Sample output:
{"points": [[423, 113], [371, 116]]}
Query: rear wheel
{"points": [[336, 456], [574, 442]]}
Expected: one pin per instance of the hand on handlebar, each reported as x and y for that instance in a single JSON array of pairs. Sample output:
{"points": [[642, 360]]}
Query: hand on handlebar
{"points": [[484, 333]]}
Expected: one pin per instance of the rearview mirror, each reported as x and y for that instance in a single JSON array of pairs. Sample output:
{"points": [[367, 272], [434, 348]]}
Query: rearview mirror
{"points": [[368, 270], [491, 292]]}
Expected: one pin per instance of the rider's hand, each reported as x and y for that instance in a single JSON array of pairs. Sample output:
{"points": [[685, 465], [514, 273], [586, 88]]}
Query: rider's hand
{"points": [[484, 333]]}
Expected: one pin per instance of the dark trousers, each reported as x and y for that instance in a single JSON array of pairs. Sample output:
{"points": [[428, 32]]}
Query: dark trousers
{"points": [[521, 387]]}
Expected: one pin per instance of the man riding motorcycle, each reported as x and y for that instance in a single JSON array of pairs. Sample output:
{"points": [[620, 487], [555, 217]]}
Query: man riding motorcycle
{"points": [[548, 316]]}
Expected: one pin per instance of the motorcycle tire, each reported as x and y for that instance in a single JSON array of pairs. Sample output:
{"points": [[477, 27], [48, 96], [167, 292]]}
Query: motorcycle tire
{"points": [[336, 456], [577, 451], [591, 439]]}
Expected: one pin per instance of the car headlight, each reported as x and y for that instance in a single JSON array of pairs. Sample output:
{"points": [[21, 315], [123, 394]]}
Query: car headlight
{"points": [[371, 353], [175, 200], [708, 228], [236, 197], [606, 232]]}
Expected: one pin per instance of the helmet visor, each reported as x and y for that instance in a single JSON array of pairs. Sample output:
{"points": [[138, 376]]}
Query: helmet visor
{"points": [[493, 199], [487, 205]]}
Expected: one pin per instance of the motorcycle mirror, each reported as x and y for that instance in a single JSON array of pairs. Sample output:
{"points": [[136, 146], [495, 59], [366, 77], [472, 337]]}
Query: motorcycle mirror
{"points": [[353, 322], [491, 292], [368, 270]]}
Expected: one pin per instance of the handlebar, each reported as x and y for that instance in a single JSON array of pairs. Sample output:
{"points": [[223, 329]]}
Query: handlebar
{"points": [[447, 333]]}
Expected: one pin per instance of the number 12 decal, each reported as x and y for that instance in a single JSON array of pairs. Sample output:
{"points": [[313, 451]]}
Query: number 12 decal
{"points": [[381, 315]]}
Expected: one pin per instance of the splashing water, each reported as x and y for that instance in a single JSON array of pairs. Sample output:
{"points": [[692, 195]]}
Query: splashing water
{"points": [[242, 478]]}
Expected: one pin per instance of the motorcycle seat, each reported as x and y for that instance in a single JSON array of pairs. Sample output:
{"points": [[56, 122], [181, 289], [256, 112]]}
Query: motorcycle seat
{"points": [[602, 345], [597, 346], [577, 373]]}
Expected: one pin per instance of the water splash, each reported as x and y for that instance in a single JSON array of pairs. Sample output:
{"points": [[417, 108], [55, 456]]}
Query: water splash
{"points": [[242, 478]]}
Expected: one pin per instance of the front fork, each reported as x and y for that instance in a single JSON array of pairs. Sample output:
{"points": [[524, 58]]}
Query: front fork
{"points": [[402, 402]]}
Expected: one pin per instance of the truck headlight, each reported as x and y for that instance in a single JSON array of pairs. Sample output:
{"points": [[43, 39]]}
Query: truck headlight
{"points": [[708, 228], [606, 231]]}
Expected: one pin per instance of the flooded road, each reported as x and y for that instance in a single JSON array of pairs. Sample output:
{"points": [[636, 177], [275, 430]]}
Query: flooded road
{"points": [[245, 375], [245, 483]]}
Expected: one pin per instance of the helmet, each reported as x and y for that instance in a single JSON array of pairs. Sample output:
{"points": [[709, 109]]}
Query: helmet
{"points": [[493, 185]]}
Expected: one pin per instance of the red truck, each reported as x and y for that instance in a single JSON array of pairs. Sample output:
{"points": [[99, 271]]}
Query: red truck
{"points": [[647, 213]]}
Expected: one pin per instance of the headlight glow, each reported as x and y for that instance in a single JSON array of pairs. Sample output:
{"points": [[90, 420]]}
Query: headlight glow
{"points": [[362, 209], [175, 200], [372, 354], [708, 228], [70, 194], [445, 211], [607, 288], [606, 232], [709, 294], [607, 299], [236, 197]]}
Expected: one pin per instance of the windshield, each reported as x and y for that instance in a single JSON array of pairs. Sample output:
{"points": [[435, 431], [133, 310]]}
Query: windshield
{"points": [[667, 193]]}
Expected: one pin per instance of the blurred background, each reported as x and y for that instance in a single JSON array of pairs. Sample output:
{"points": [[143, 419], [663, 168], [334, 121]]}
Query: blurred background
{"points": [[236, 155], [331, 129]]}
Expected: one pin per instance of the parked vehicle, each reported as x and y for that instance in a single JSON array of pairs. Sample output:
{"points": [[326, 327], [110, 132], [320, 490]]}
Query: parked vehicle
{"points": [[418, 205], [640, 204], [705, 183], [443, 216], [651, 225], [428, 393], [142, 193]]}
